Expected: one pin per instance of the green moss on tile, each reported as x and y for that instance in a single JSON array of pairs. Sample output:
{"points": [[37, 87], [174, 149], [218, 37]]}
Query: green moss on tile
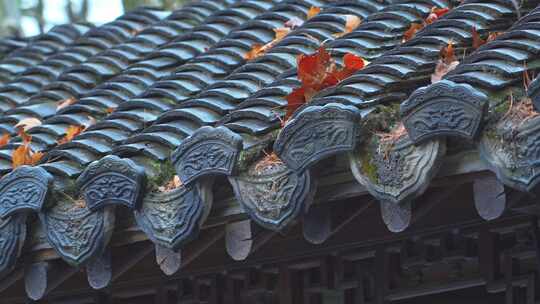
{"points": [[368, 168], [160, 174]]}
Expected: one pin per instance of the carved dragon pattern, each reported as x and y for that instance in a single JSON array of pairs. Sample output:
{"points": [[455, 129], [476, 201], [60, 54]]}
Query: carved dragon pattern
{"points": [[318, 132], [172, 218], [12, 236], [112, 180], [399, 173], [274, 195], [513, 153], [24, 189], [76, 232]]}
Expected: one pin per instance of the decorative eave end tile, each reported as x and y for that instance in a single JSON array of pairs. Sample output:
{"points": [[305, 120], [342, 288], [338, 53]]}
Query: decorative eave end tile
{"points": [[171, 219], [318, 132], [442, 109], [208, 151], [273, 195], [111, 181], [24, 189], [399, 173], [514, 154], [12, 236], [75, 232], [534, 93]]}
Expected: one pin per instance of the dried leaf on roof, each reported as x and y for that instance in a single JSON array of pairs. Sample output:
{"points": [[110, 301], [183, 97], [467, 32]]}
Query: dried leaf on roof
{"points": [[21, 156], [4, 139], [351, 23], [28, 123], [80, 203], [258, 50], [173, 184], [269, 159], [446, 63], [294, 100], [435, 14], [409, 33], [71, 132], [65, 102], [24, 155], [317, 72], [352, 63], [519, 111], [527, 78], [35, 157], [312, 69], [313, 11], [478, 41], [26, 138], [389, 139]]}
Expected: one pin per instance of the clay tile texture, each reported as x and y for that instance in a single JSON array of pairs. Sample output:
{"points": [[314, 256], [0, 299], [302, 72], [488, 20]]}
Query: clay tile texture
{"points": [[166, 126]]}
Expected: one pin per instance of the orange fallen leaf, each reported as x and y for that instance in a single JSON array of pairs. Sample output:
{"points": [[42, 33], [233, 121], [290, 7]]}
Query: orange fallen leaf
{"points": [[442, 69], [71, 132], [435, 14], [174, 183], [24, 155], [28, 123], [269, 159], [313, 11], [280, 33], [446, 63], [21, 156], [492, 36], [36, 157], [447, 53], [26, 138], [477, 41], [256, 51], [413, 29], [66, 102], [351, 23], [4, 140]]}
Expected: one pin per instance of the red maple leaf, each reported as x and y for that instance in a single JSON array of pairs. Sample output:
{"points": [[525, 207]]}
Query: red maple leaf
{"points": [[294, 100], [317, 72], [312, 69]]}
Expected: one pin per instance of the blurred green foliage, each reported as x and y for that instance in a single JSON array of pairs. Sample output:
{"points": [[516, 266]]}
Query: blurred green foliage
{"points": [[11, 12]]}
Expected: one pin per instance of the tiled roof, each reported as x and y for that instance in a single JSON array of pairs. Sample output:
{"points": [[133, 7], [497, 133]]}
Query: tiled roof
{"points": [[164, 94], [10, 44], [39, 48]]}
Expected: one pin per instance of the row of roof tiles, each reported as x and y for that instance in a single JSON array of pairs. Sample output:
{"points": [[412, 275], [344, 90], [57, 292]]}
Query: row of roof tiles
{"points": [[196, 96], [39, 48], [10, 44]]}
